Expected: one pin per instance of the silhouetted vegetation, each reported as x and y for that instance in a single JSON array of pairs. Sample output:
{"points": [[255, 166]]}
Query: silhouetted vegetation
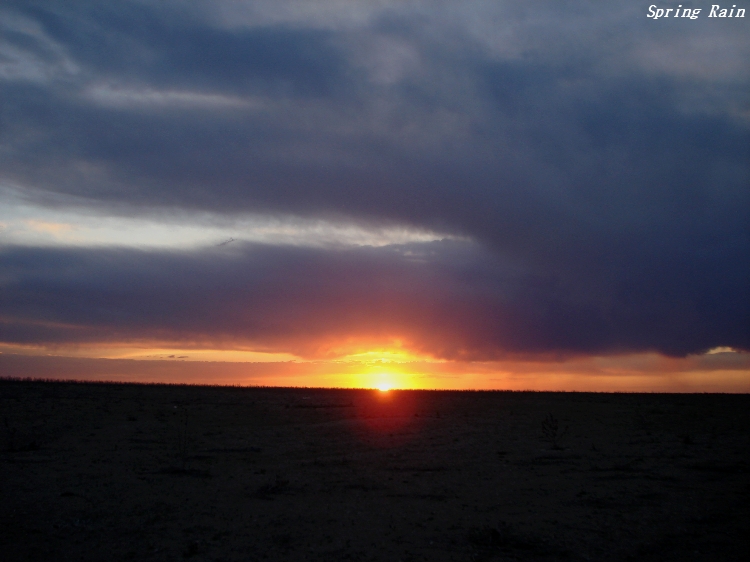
{"points": [[551, 431]]}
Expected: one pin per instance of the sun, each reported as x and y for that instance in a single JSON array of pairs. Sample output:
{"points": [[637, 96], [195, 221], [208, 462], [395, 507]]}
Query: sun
{"points": [[384, 380]]}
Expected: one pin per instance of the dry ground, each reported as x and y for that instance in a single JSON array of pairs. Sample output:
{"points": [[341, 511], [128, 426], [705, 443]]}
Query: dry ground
{"points": [[118, 472]]}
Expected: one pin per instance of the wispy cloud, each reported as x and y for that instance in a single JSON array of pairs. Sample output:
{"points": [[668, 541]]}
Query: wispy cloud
{"points": [[166, 99]]}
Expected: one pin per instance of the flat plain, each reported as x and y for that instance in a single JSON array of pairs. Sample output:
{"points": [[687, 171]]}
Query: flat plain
{"points": [[160, 472]]}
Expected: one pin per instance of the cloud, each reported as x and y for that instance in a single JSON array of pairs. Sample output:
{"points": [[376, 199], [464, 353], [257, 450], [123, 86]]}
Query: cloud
{"points": [[449, 299], [147, 98], [54, 228], [597, 164]]}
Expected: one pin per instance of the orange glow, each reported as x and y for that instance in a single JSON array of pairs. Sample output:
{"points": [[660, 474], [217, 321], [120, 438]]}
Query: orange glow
{"points": [[384, 356], [720, 370], [149, 351]]}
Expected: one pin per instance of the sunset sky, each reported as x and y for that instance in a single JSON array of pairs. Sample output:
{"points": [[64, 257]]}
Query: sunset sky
{"points": [[408, 194]]}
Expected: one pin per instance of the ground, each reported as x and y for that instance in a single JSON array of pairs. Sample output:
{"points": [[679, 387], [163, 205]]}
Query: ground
{"points": [[137, 472]]}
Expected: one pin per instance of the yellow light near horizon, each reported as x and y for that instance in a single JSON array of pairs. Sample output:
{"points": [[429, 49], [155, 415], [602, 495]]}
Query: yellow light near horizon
{"points": [[385, 356], [385, 381]]}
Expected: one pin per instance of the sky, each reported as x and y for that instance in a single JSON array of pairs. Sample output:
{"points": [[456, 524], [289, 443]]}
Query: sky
{"points": [[548, 195]]}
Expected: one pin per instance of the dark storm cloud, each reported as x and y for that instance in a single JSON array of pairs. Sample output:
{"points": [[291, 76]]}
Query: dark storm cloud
{"points": [[449, 299], [124, 41], [609, 172]]}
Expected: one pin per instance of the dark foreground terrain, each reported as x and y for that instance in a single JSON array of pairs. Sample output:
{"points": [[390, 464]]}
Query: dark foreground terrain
{"points": [[131, 472]]}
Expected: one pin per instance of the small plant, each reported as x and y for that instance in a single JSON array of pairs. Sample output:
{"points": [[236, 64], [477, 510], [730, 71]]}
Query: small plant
{"points": [[551, 431]]}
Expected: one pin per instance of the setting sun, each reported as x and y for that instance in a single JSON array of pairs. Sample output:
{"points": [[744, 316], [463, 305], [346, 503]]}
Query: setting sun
{"points": [[388, 380]]}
